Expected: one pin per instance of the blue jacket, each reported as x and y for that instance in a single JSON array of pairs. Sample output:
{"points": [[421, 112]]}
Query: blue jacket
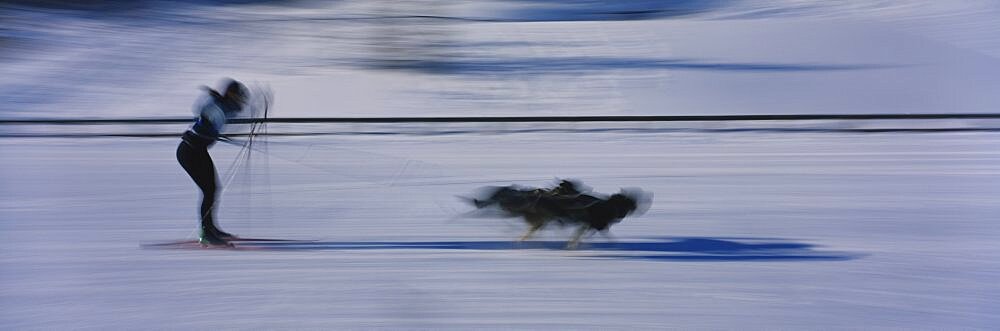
{"points": [[213, 112]]}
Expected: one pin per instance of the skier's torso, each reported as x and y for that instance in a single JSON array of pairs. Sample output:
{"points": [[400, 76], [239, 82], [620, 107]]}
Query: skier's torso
{"points": [[211, 121]]}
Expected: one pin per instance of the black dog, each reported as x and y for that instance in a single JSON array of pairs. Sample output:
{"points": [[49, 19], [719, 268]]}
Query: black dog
{"points": [[566, 204]]}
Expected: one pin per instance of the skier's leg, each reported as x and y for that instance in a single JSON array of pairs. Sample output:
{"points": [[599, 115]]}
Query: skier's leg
{"points": [[198, 164], [210, 180]]}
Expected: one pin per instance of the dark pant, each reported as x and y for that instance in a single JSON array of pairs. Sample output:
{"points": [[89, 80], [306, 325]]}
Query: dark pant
{"points": [[196, 161]]}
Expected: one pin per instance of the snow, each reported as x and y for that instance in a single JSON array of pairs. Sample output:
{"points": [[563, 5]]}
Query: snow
{"points": [[752, 227]]}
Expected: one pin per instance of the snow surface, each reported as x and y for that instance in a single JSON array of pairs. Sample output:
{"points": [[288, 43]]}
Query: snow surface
{"points": [[749, 229]]}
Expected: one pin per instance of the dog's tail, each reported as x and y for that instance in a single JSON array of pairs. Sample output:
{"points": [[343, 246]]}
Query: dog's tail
{"points": [[483, 197], [478, 203]]}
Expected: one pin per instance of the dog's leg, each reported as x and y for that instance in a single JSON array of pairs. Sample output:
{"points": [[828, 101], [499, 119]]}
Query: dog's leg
{"points": [[531, 231], [575, 241], [608, 236], [536, 224]]}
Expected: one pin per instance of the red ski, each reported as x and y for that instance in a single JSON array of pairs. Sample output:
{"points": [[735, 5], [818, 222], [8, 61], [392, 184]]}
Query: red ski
{"points": [[232, 243]]}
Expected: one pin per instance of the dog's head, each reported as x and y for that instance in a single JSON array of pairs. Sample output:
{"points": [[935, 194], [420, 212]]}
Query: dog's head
{"points": [[631, 201], [622, 205]]}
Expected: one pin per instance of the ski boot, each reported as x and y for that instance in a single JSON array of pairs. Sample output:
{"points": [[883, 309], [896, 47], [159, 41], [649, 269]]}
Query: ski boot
{"points": [[219, 233], [211, 238]]}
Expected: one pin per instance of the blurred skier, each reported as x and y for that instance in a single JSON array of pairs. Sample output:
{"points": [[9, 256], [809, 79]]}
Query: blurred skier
{"points": [[213, 111]]}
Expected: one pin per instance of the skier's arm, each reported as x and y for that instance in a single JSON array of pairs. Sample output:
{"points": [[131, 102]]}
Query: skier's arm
{"points": [[228, 140]]}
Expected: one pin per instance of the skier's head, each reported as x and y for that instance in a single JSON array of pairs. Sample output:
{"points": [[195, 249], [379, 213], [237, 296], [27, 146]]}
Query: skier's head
{"points": [[234, 95]]}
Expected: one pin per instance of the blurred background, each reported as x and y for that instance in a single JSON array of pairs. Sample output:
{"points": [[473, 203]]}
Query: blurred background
{"points": [[137, 59], [815, 221]]}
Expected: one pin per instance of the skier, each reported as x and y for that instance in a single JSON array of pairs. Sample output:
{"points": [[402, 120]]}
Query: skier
{"points": [[213, 111]]}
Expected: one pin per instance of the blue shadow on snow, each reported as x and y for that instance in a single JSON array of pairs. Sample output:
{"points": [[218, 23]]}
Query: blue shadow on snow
{"points": [[653, 249]]}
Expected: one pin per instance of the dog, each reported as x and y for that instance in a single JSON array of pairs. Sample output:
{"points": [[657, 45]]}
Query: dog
{"points": [[568, 204]]}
